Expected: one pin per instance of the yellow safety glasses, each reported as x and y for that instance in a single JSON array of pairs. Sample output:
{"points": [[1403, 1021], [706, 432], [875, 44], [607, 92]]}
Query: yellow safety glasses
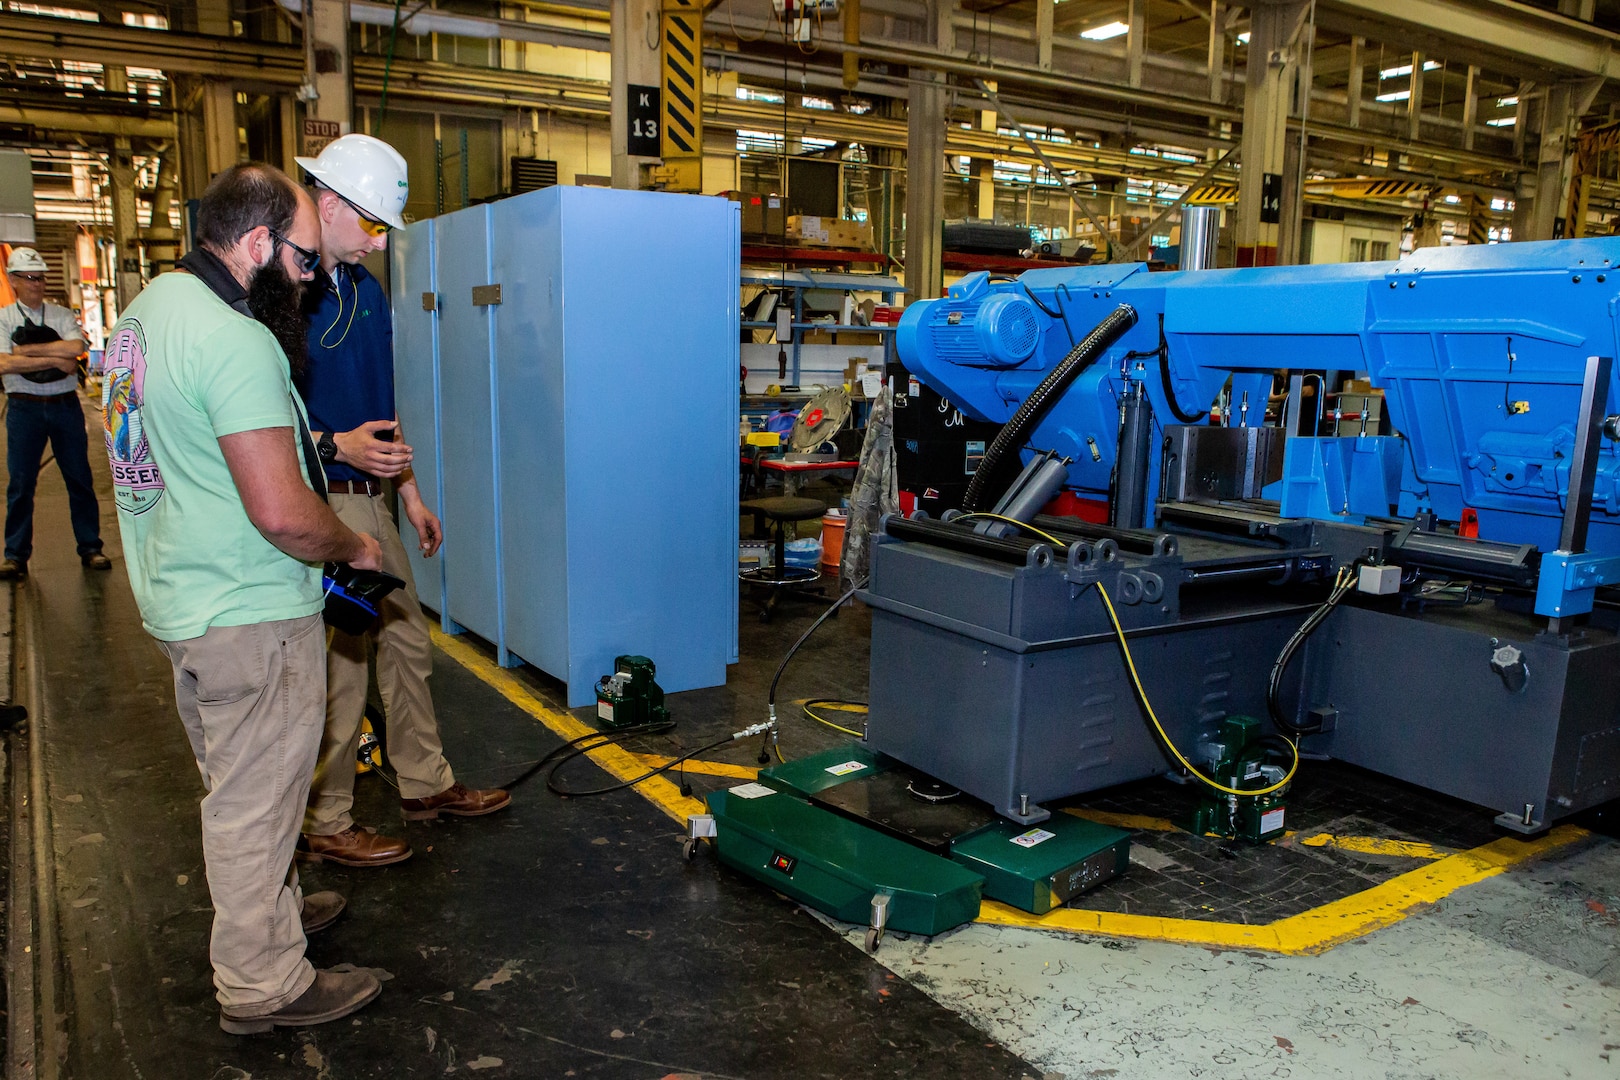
{"points": [[368, 225]]}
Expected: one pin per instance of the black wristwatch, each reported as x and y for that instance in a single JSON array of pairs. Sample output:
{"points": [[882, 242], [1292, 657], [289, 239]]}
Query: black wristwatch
{"points": [[326, 449]]}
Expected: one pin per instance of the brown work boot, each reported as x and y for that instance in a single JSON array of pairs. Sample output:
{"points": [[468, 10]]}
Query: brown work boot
{"points": [[332, 996], [353, 846], [457, 799], [320, 910]]}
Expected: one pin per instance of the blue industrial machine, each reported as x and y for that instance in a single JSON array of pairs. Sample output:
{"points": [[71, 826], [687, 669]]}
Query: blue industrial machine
{"points": [[557, 403], [1481, 663]]}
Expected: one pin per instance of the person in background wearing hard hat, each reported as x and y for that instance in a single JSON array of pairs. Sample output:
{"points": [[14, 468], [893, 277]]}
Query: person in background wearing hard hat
{"points": [[40, 346], [220, 505], [359, 184]]}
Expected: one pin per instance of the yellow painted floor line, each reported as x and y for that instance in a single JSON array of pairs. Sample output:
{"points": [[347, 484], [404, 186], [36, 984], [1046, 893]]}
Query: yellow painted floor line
{"points": [[1134, 822], [705, 768], [618, 763], [1375, 845], [1313, 931]]}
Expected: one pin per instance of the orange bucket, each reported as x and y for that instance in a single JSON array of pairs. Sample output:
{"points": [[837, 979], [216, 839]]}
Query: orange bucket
{"points": [[832, 539]]}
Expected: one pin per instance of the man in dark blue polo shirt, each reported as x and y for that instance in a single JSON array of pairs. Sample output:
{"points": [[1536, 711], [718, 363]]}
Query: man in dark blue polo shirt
{"points": [[359, 187]]}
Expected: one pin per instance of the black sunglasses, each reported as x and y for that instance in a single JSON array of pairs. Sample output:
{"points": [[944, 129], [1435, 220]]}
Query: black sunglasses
{"points": [[308, 259]]}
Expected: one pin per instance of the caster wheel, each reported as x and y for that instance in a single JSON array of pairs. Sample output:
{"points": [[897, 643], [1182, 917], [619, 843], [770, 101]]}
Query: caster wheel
{"points": [[872, 941], [689, 849]]}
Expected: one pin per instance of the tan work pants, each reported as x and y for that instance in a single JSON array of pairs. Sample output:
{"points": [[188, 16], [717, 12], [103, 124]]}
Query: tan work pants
{"points": [[404, 662], [251, 701]]}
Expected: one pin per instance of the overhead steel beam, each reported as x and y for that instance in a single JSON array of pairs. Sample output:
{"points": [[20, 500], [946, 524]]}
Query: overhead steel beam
{"points": [[87, 122], [1499, 35], [169, 51]]}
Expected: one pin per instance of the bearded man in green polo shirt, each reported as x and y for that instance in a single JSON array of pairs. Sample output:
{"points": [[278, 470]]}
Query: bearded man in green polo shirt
{"points": [[225, 530]]}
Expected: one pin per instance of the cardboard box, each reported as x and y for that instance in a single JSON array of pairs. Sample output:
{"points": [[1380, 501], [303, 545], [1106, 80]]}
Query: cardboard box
{"points": [[810, 231], [761, 214], [851, 234], [859, 337], [817, 337]]}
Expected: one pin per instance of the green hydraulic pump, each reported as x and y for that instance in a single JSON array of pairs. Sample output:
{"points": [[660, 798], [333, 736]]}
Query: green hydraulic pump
{"points": [[629, 697], [1239, 760]]}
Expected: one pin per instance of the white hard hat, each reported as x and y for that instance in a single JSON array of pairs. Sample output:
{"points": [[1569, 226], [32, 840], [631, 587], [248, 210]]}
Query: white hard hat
{"points": [[25, 260], [367, 172]]}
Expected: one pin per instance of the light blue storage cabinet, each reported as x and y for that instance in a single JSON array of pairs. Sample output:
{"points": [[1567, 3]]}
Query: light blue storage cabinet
{"points": [[416, 390], [585, 424]]}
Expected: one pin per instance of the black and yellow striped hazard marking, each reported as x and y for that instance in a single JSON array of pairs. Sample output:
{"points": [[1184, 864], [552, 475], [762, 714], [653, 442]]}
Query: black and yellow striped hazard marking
{"points": [[1365, 188], [1311, 931], [683, 78], [1357, 188], [1213, 195], [1479, 220]]}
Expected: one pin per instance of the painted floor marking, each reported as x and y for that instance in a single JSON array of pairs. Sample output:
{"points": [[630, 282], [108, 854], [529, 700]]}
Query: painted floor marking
{"points": [[1375, 845], [617, 763], [1313, 931]]}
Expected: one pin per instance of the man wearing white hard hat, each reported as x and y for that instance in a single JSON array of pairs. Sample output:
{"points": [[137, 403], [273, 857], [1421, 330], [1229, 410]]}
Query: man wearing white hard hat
{"points": [[359, 185], [40, 345]]}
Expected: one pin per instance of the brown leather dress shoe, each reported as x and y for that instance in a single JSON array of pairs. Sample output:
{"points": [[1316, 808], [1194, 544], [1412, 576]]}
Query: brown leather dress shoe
{"points": [[353, 846], [96, 561], [332, 996], [457, 799], [320, 910]]}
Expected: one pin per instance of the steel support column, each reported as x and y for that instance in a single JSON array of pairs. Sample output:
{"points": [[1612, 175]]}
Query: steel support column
{"points": [[1044, 11], [1557, 117], [1272, 67], [925, 166], [986, 169], [126, 226], [634, 54], [331, 75]]}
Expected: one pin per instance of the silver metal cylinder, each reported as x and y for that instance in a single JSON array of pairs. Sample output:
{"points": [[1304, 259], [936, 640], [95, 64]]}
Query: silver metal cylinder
{"points": [[1200, 229]]}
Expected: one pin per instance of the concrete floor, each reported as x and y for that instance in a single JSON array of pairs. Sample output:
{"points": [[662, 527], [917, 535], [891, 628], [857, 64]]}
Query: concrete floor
{"points": [[566, 938]]}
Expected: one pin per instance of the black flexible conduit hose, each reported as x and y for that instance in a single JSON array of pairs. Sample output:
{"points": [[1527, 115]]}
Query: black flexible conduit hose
{"points": [[1016, 431]]}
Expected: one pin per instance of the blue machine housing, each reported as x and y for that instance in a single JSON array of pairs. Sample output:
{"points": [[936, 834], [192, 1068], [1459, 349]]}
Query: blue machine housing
{"points": [[1480, 351]]}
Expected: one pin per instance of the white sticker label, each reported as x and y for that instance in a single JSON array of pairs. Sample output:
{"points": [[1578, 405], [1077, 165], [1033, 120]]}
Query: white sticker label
{"points": [[604, 711], [846, 768], [1271, 820], [1033, 837], [752, 791]]}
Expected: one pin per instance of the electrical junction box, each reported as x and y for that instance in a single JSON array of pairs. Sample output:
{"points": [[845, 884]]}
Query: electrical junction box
{"points": [[1379, 580], [1038, 869]]}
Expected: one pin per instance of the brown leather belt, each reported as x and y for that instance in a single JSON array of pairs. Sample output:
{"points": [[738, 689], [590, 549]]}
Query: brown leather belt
{"points": [[354, 487], [42, 397]]}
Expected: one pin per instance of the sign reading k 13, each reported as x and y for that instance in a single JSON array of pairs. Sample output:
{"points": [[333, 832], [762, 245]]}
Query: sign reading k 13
{"points": [[645, 104]]}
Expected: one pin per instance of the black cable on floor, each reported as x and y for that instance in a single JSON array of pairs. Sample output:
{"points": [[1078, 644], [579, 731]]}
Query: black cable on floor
{"points": [[557, 789]]}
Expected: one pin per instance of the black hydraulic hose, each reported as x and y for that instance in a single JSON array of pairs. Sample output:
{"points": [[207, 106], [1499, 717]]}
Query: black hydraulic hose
{"points": [[1341, 589], [1170, 390], [1016, 431]]}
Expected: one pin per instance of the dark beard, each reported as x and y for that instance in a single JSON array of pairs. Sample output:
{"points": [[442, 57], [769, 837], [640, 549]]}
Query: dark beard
{"points": [[276, 300]]}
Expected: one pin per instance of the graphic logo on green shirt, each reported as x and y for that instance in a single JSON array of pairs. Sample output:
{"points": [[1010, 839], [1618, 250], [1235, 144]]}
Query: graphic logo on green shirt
{"points": [[137, 483]]}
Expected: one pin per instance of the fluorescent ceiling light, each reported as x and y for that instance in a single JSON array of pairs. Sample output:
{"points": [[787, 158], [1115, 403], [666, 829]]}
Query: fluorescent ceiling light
{"points": [[1504, 102], [1506, 121], [1243, 38], [1105, 31], [1453, 199], [1406, 69], [1395, 95]]}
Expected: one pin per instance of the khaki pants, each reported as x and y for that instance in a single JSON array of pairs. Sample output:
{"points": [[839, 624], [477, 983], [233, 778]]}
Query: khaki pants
{"points": [[250, 698], [404, 662]]}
